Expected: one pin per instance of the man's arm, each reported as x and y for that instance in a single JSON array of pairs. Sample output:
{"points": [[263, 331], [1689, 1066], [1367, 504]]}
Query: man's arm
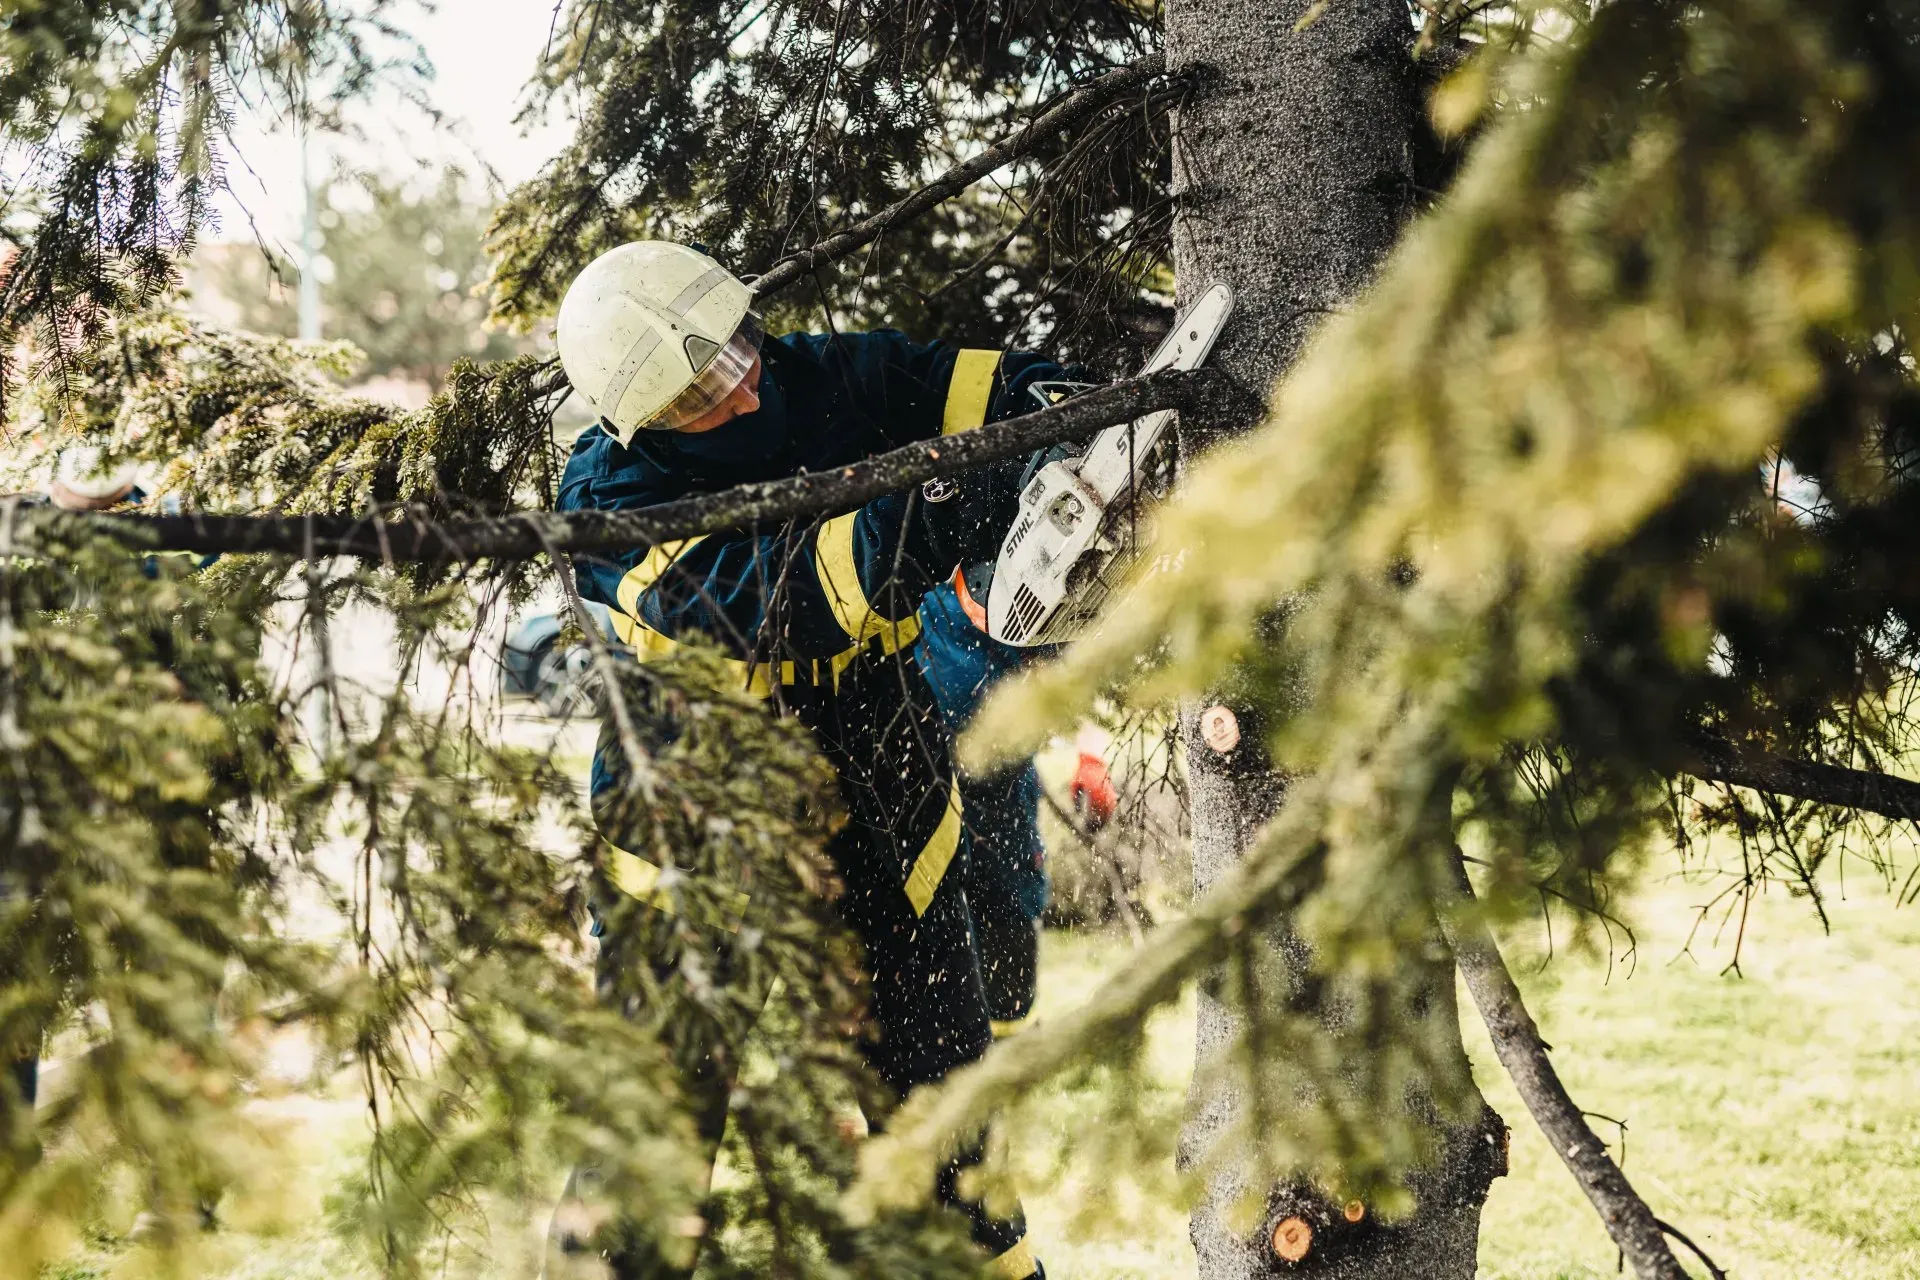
{"points": [[802, 597], [917, 391]]}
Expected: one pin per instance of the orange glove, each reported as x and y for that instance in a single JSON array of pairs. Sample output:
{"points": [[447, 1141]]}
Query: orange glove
{"points": [[1092, 792]]}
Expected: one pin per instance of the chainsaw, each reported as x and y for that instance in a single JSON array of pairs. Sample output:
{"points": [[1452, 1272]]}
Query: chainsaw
{"points": [[1083, 521]]}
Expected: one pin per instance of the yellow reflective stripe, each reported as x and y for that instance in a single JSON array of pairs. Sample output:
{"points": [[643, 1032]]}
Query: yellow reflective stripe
{"points": [[1012, 1026], [634, 876], [931, 865], [649, 645], [1016, 1263], [658, 559], [897, 637], [969, 390], [839, 577]]}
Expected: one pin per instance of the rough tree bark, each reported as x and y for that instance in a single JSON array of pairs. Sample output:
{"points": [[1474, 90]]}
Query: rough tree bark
{"points": [[1293, 175]]}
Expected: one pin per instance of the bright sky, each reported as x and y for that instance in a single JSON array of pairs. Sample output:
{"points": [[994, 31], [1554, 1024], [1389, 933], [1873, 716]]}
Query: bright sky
{"points": [[482, 52]]}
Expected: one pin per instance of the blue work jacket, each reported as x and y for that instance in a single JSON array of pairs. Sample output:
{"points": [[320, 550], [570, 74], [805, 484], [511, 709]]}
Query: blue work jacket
{"points": [[816, 614]]}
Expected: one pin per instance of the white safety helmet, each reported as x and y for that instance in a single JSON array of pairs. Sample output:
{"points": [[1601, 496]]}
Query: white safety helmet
{"points": [[84, 471], [655, 334]]}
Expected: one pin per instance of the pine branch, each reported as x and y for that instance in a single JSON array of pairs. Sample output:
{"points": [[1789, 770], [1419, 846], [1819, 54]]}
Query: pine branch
{"points": [[524, 535], [1523, 1053], [1069, 111], [1882, 793]]}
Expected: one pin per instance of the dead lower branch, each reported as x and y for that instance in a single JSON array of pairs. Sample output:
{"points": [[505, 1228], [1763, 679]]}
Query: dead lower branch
{"points": [[1516, 1039], [1881, 793], [408, 535]]}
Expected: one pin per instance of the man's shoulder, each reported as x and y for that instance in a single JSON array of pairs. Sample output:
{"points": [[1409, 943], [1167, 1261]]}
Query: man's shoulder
{"points": [[889, 345], [883, 370], [601, 473]]}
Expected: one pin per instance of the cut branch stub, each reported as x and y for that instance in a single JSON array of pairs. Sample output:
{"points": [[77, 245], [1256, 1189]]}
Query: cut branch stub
{"points": [[1292, 1239], [1220, 728]]}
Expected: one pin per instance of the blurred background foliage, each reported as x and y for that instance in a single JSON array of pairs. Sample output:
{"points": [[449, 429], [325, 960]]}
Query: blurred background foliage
{"points": [[400, 266]]}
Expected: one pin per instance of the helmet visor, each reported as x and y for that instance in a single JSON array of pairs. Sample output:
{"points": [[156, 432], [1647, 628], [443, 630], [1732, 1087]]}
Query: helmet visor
{"points": [[723, 373]]}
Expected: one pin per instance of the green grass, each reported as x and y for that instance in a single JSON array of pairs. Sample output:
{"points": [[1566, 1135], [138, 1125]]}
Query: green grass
{"points": [[1774, 1115]]}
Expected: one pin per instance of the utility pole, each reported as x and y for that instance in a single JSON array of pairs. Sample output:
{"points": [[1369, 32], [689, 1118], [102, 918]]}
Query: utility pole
{"points": [[309, 297], [318, 668]]}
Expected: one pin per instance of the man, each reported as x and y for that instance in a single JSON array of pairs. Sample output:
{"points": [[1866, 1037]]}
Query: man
{"points": [[662, 342]]}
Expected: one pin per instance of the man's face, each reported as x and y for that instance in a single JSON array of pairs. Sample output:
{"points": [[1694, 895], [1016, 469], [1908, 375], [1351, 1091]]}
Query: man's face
{"points": [[67, 499], [744, 399]]}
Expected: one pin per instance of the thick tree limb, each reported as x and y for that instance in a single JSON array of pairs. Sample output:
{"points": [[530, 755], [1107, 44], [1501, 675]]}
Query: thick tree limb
{"points": [[1522, 1052], [524, 535], [1066, 113], [1879, 793]]}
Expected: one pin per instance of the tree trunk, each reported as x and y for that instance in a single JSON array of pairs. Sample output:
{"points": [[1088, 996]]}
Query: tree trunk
{"points": [[1293, 175]]}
